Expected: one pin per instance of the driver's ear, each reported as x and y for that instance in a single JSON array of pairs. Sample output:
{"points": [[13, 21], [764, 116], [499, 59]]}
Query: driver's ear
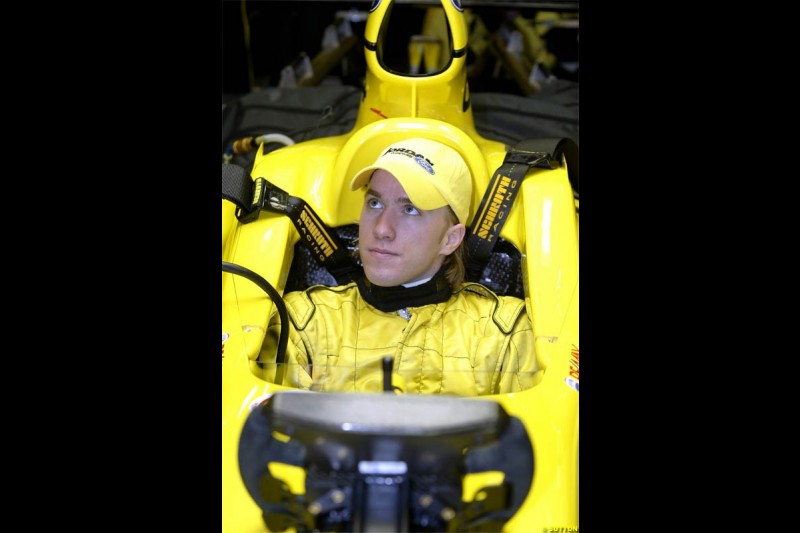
{"points": [[453, 237]]}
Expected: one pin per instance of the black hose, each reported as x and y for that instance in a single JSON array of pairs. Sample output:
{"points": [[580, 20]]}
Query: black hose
{"points": [[283, 337]]}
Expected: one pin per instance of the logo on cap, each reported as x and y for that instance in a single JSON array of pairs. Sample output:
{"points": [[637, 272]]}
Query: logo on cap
{"points": [[419, 158], [421, 161]]}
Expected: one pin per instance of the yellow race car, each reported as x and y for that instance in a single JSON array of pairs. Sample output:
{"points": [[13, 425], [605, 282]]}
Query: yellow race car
{"points": [[376, 460]]}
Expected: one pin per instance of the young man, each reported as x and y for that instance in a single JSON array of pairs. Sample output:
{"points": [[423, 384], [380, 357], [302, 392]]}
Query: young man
{"points": [[444, 335]]}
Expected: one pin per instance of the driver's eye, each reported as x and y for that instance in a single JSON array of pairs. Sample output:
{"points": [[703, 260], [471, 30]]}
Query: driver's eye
{"points": [[409, 209]]}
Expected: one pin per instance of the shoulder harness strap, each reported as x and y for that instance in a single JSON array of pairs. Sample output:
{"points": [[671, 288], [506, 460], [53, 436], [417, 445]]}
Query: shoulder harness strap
{"points": [[502, 190], [251, 196]]}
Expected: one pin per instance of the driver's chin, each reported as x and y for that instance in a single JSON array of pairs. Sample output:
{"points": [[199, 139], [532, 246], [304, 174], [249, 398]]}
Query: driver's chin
{"points": [[385, 277]]}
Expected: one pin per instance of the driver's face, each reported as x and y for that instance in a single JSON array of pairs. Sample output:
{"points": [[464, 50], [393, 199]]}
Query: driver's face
{"points": [[398, 242]]}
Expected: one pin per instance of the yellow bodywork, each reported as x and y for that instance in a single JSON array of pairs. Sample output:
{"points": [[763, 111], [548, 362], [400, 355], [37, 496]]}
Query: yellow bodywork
{"points": [[543, 224]]}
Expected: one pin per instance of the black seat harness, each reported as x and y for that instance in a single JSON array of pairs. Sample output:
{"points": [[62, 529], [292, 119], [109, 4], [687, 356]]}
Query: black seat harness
{"points": [[503, 188], [251, 196]]}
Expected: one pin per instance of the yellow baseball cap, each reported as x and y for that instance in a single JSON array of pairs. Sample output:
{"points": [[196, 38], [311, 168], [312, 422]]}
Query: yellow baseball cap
{"points": [[432, 174]]}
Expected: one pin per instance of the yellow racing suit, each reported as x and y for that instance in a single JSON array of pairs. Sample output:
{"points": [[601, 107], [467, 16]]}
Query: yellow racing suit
{"points": [[475, 343]]}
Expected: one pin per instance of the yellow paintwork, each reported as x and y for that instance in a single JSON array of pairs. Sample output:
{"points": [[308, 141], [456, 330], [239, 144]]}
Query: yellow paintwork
{"points": [[543, 224]]}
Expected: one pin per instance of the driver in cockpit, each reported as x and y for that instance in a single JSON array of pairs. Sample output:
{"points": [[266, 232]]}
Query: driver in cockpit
{"points": [[444, 335]]}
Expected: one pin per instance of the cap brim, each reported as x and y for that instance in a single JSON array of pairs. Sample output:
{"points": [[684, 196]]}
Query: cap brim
{"points": [[421, 192], [362, 177]]}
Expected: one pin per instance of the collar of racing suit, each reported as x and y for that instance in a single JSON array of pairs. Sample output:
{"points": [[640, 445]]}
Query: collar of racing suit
{"points": [[388, 299]]}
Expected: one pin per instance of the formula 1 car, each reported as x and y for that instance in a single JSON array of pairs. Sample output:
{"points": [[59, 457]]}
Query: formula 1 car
{"points": [[376, 460]]}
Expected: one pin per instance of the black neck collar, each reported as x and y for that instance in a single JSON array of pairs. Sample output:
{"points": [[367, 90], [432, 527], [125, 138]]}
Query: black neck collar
{"points": [[387, 299]]}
